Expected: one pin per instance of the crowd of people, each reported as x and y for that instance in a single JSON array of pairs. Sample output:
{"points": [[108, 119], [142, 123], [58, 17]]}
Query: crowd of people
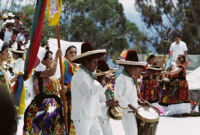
{"points": [[12, 31], [90, 86]]}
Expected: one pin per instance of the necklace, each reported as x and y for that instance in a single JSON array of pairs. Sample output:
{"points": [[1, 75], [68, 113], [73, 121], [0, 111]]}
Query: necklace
{"points": [[134, 80], [88, 71]]}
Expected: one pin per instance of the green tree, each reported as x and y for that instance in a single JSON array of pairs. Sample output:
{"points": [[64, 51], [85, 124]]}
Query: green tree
{"points": [[100, 22], [181, 15]]}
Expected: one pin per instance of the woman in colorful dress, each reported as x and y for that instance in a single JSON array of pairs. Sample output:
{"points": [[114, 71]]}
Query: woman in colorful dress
{"points": [[150, 88], [69, 69], [178, 96], [3, 57], [44, 114], [4, 80]]}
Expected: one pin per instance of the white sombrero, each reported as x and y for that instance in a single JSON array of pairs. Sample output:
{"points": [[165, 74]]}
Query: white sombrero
{"points": [[17, 48], [11, 14], [131, 58], [10, 22], [87, 51]]}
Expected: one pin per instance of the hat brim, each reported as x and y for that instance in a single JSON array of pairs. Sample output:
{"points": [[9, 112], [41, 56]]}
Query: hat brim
{"points": [[131, 63], [154, 68], [17, 51], [90, 54], [113, 70]]}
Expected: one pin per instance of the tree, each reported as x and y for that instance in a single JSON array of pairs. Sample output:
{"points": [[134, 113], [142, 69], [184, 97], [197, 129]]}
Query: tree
{"points": [[100, 22], [181, 15]]}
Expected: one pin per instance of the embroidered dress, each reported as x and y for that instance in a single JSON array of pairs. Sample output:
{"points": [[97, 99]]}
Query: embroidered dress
{"points": [[179, 88], [176, 95], [69, 71], [44, 114], [150, 89], [164, 91]]}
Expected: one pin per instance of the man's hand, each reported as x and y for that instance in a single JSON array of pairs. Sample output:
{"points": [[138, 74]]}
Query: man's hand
{"points": [[107, 79], [111, 103], [133, 108]]}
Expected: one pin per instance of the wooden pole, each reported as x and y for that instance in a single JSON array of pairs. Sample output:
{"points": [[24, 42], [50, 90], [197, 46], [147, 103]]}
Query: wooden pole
{"points": [[62, 81]]}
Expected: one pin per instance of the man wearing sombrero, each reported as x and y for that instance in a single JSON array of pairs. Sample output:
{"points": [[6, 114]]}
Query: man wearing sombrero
{"points": [[125, 89], [106, 96], [85, 92]]}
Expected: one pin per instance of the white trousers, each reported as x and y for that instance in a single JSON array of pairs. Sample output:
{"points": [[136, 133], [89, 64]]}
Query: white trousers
{"points": [[105, 125], [129, 124], [87, 126]]}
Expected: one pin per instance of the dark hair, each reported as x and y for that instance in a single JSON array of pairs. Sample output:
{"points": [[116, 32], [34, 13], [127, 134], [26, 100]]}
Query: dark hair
{"points": [[181, 58], [4, 47], [8, 115], [47, 54], [150, 56], [17, 17], [20, 55], [70, 47]]}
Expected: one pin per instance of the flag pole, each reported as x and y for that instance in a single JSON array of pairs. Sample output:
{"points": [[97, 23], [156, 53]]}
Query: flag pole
{"points": [[62, 81]]}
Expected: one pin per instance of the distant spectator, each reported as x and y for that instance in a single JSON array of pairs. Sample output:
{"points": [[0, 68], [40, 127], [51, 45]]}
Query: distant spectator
{"points": [[20, 35], [8, 115], [178, 47], [8, 31], [18, 24], [27, 40]]}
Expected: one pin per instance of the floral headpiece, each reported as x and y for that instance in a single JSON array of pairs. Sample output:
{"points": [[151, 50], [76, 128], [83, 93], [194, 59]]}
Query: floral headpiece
{"points": [[181, 58], [123, 54], [149, 55]]}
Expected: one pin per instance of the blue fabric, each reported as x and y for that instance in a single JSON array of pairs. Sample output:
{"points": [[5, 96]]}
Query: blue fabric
{"points": [[18, 92], [67, 74]]}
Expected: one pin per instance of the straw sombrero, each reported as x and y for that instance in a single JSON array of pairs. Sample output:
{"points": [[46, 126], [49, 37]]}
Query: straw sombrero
{"points": [[10, 23], [10, 14], [131, 58], [87, 51], [103, 68], [17, 48], [154, 68]]}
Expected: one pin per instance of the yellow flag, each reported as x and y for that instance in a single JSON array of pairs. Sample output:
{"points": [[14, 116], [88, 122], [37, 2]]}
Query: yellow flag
{"points": [[54, 8]]}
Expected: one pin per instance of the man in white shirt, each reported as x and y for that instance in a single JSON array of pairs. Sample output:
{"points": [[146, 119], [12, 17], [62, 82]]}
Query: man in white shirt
{"points": [[178, 47], [126, 92], [85, 92], [105, 99]]}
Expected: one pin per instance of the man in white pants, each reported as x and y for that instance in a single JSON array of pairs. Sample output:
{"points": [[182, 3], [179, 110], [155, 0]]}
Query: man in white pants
{"points": [[85, 92], [106, 102], [126, 92]]}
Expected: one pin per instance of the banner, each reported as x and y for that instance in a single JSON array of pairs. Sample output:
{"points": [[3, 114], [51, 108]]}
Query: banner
{"points": [[54, 8]]}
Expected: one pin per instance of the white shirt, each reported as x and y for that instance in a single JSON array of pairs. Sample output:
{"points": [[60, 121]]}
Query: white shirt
{"points": [[85, 96], [20, 37], [178, 49], [125, 92], [18, 66], [102, 98], [8, 36]]}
